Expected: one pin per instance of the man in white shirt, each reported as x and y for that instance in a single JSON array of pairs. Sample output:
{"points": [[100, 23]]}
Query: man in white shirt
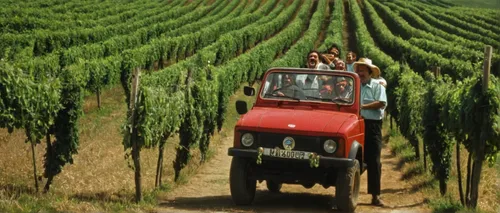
{"points": [[373, 103], [312, 83]]}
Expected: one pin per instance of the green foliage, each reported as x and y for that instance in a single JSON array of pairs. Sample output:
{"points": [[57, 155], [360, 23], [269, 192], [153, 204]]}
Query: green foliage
{"points": [[417, 58], [195, 114], [190, 130], [27, 103], [438, 142], [367, 48], [469, 107], [485, 35], [44, 41], [446, 204], [186, 40], [410, 103], [454, 107], [66, 126], [449, 28], [206, 90], [333, 34], [295, 56]]}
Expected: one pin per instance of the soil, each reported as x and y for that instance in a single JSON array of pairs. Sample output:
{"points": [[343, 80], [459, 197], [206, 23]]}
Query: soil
{"points": [[208, 191]]}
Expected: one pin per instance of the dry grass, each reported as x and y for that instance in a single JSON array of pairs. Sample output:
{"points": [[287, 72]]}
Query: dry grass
{"points": [[489, 191]]}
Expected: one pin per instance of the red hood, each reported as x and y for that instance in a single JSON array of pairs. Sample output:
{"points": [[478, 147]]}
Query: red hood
{"points": [[296, 119]]}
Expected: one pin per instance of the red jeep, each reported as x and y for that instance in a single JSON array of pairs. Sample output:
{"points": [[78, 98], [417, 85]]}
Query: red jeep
{"points": [[304, 128]]}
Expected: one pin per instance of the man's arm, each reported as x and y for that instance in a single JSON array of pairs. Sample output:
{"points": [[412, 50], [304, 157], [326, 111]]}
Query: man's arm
{"points": [[373, 105]]}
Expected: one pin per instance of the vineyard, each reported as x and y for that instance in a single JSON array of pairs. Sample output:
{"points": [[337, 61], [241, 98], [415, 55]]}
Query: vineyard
{"points": [[164, 72]]}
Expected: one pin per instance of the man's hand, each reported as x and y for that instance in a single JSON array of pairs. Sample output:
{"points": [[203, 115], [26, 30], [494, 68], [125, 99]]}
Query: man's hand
{"points": [[280, 94], [373, 105], [328, 58]]}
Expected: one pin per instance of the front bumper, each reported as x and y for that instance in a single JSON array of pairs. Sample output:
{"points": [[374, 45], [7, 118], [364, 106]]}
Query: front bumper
{"points": [[323, 161]]}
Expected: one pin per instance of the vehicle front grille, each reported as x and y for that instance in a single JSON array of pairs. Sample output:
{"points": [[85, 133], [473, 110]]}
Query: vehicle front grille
{"points": [[302, 143]]}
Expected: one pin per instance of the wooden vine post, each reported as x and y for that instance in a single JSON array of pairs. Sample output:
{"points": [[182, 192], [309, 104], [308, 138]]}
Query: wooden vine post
{"points": [[135, 147], [480, 147], [98, 95], [34, 164], [436, 70]]}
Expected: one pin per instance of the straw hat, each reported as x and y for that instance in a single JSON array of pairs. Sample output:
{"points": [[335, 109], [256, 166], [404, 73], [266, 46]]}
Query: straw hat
{"points": [[365, 61]]}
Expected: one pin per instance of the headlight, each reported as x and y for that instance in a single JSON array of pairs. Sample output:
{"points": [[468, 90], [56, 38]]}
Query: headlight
{"points": [[330, 146], [247, 139]]}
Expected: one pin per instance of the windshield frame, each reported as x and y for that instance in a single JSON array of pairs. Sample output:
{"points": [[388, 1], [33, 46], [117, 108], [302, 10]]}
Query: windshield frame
{"points": [[301, 71]]}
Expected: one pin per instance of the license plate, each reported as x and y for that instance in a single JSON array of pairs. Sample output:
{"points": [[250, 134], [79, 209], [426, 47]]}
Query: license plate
{"points": [[282, 153]]}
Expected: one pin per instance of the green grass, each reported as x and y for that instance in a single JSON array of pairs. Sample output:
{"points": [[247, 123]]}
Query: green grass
{"points": [[446, 204], [491, 4]]}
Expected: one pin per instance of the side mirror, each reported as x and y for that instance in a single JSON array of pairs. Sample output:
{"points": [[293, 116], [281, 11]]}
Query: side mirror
{"points": [[241, 107], [249, 91]]}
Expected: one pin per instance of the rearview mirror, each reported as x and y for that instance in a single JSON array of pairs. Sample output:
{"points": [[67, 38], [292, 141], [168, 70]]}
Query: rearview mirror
{"points": [[241, 107], [249, 91]]}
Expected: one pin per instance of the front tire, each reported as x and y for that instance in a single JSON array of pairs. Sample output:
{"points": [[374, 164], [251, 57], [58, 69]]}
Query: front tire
{"points": [[242, 188], [347, 188], [273, 186]]}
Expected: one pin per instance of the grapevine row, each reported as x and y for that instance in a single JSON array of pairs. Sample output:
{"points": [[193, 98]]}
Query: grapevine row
{"points": [[334, 32], [193, 128], [99, 72], [417, 22], [436, 110], [446, 26], [63, 125], [486, 32], [171, 49], [294, 57], [474, 21], [415, 56], [43, 41], [488, 18], [428, 41], [27, 19]]}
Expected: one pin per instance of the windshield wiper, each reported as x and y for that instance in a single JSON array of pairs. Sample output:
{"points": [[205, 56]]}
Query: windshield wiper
{"points": [[343, 100], [293, 98], [279, 96], [318, 98]]}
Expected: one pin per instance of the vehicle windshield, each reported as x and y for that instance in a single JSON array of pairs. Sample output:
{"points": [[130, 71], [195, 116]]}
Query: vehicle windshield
{"points": [[321, 87]]}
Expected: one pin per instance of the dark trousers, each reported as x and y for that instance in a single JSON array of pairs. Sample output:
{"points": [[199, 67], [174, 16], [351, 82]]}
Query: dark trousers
{"points": [[373, 147]]}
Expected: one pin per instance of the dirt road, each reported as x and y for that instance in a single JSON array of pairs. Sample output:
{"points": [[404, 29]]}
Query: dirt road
{"points": [[208, 191]]}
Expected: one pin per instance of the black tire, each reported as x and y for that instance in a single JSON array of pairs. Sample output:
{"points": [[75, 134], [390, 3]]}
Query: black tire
{"points": [[347, 188], [273, 186], [242, 188]]}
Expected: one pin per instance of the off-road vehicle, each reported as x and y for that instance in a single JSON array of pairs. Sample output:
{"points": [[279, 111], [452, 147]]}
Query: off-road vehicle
{"points": [[304, 128]]}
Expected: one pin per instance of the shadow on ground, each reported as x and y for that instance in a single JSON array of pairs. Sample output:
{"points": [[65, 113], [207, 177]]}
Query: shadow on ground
{"points": [[271, 202], [264, 201]]}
